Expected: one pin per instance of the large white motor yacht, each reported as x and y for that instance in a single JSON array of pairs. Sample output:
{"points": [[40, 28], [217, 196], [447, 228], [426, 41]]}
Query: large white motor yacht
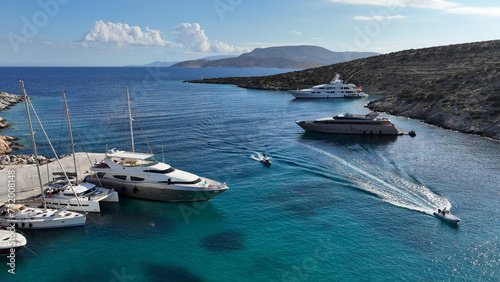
{"points": [[352, 124], [335, 89], [138, 175]]}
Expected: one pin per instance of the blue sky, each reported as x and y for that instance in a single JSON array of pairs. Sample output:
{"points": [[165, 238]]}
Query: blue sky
{"points": [[126, 32]]}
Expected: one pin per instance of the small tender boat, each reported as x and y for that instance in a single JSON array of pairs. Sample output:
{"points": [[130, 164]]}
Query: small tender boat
{"points": [[446, 216], [266, 160], [11, 241]]}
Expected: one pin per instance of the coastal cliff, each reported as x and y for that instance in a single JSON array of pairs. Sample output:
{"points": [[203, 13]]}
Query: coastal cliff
{"points": [[455, 87], [7, 143]]}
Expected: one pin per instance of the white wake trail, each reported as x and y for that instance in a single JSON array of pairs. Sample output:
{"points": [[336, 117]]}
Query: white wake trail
{"points": [[394, 190]]}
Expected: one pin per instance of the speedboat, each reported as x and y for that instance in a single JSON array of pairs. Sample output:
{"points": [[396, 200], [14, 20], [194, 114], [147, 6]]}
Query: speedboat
{"points": [[446, 216], [139, 175], [369, 124], [266, 161], [335, 89], [11, 241]]}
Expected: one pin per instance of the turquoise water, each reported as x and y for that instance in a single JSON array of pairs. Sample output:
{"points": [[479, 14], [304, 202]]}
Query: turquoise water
{"points": [[330, 208]]}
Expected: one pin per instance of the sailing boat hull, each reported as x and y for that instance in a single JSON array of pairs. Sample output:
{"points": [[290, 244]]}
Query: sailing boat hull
{"points": [[44, 223]]}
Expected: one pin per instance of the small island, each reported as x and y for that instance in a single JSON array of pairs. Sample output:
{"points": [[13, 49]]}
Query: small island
{"points": [[455, 86]]}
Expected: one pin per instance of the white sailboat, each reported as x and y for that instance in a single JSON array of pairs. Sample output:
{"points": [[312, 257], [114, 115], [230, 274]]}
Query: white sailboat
{"points": [[86, 196], [28, 217]]}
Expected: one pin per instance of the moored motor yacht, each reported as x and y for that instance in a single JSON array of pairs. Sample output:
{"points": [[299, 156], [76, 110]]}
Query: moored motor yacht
{"points": [[352, 124], [335, 89], [138, 175]]}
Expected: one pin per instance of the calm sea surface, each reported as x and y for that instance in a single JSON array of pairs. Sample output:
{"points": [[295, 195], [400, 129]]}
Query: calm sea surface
{"points": [[330, 208]]}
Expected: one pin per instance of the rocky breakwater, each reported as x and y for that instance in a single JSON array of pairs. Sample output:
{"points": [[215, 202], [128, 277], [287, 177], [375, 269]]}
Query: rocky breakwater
{"points": [[22, 159], [7, 143], [467, 101]]}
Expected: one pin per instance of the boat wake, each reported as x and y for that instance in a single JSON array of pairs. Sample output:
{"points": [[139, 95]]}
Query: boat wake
{"points": [[390, 187]]}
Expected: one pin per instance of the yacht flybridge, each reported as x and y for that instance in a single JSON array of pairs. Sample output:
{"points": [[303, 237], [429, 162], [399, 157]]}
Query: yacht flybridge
{"points": [[139, 175], [335, 89]]}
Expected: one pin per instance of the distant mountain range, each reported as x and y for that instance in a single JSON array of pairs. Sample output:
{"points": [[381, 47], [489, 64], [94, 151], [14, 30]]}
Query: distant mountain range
{"points": [[285, 57]]}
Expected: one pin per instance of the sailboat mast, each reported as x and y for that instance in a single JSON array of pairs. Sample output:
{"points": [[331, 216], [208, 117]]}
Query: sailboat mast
{"points": [[130, 120], [70, 137], [33, 141]]}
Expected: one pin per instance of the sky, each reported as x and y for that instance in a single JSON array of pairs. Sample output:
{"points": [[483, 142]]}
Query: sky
{"points": [[128, 32]]}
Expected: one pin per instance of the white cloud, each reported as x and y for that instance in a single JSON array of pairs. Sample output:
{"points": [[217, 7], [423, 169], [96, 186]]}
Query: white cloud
{"points": [[123, 34], [483, 11], [193, 38], [429, 4], [379, 18], [296, 32], [447, 6]]}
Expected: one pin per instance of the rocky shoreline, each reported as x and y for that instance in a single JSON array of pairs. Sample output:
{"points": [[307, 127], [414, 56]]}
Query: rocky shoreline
{"points": [[7, 143], [22, 159]]}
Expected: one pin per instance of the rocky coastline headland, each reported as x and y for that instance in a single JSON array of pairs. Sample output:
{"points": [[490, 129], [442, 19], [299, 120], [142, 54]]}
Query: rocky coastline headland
{"points": [[455, 87], [7, 143]]}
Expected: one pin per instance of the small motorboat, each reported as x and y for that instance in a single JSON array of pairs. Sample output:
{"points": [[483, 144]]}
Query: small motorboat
{"points": [[266, 160], [446, 216]]}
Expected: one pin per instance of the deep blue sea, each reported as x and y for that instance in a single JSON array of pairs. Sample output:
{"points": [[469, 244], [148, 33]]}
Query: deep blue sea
{"points": [[330, 208]]}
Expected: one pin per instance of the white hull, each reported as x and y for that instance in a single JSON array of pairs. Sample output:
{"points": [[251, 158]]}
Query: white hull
{"points": [[37, 218], [89, 197], [301, 94], [358, 129], [11, 240], [87, 206]]}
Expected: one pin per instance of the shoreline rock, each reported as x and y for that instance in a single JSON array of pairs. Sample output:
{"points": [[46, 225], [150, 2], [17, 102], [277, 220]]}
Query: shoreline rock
{"points": [[7, 144]]}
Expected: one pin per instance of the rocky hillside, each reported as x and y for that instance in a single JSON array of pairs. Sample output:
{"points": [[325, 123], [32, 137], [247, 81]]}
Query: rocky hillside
{"points": [[455, 86], [7, 143], [467, 101], [285, 57]]}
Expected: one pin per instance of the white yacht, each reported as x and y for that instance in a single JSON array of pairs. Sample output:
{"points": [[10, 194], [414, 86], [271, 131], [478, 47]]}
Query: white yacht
{"points": [[335, 89], [352, 124], [29, 217], [138, 175], [87, 199], [10, 240]]}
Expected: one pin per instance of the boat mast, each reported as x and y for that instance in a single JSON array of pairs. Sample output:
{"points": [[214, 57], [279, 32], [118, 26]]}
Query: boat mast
{"points": [[70, 137], [33, 141], [130, 120]]}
